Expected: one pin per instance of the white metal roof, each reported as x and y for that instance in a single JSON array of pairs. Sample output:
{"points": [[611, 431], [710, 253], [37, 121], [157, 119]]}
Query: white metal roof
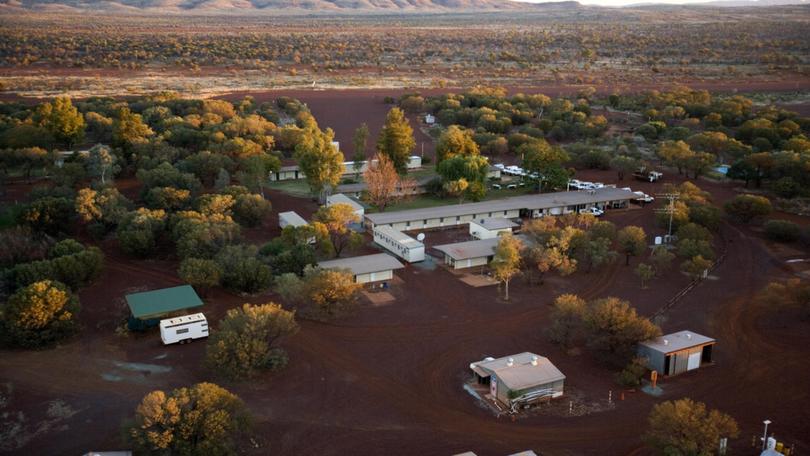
{"points": [[365, 264], [398, 236], [521, 371], [469, 249], [530, 202], [183, 319], [678, 341], [495, 223], [341, 198], [292, 218]]}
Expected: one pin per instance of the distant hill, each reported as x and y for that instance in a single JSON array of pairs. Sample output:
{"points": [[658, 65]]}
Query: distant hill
{"points": [[236, 6]]}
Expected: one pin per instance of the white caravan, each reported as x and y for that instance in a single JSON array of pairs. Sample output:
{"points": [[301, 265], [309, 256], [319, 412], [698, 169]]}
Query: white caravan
{"points": [[183, 329]]}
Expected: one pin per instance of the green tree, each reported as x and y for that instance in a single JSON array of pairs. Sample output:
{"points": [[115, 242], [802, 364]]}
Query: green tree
{"points": [[200, 273], [246, 340], [250, 210], [645, 272], [102, 163], [624, 165], [746, 208], [614, 328], [632, 241], [50, 215], [254, 171], [65, 122], [675, 153], [471, 168], [101, 208], [696, 267], [545, 160], [632, 374], [321, 162], [596, 252], [505, 263], [396, 140], [321, 294], [685, 427], [128, 129], [38, 315], [661, 258], [455, 141], [167, 198], [337, 218], [360, 142], [566, 319], [242, 270], [139, 231], [201, 420]]}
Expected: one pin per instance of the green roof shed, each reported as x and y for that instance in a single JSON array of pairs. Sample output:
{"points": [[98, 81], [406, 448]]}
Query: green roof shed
{"points": [[156, 303]]}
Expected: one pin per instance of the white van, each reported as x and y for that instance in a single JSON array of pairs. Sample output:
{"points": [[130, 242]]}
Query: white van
{"points": [[183, 329]]}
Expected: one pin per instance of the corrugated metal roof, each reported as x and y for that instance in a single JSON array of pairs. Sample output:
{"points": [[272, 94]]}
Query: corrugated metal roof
{"points": [[364, 264], [155, 303], [522, 373], [678, 341], [469, 249], [531, 202], [495, 223], [292, 218], [398, 236], [341, 198]]}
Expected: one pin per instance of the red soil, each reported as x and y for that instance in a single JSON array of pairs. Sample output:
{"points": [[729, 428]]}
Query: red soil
{"points": [[388, 379]]}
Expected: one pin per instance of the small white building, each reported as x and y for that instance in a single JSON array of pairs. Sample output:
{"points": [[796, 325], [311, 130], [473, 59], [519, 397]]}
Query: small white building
{"points": [[489, 228], [467, 254], [676, 353], [430, 119], [290, 218], [520, 380], [343, 199], [183, 329], [399, 243], [414, 162], [367, 268]]}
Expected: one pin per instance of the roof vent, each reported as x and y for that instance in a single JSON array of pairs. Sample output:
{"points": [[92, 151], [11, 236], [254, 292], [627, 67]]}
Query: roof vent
{"points": [[510, 362], [534, 360], [688, 336], [666, 342]]}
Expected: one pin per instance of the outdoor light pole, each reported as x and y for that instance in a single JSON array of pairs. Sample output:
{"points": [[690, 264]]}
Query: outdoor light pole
{"points": [[765, 436]]}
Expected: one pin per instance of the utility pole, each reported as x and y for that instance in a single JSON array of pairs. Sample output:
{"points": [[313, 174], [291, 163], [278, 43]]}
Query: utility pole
{"points": [[670, 209]]}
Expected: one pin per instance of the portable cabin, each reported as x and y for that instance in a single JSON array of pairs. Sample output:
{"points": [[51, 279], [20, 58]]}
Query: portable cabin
{"points": [[183, 329], [414, 162], [367, 268], [400, 244], [468, 254], [488, 228], [148, 306], [340, 198], [290, 218], [677, 353], [521, 379]]}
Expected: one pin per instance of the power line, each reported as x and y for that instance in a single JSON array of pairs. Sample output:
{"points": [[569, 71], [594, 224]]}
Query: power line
{"points": [[670, 209]]}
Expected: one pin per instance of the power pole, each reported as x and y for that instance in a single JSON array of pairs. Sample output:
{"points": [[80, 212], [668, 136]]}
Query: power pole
{"points": [[670, 209]]}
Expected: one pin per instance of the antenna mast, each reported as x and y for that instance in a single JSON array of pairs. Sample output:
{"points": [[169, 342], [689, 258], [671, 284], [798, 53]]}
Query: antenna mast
{"points": [[670, 209]]}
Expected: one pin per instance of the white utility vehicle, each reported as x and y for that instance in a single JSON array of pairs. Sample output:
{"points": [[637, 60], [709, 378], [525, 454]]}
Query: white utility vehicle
{"points": [[183, 329], [593, 210]]}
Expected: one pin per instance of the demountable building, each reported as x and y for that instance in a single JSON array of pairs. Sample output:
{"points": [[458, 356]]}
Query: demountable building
{"points": [[343, 199], [520, 379], [290, 218], [488, 228], [467, 254], [367, 268], [399, 243], [677, 353]]}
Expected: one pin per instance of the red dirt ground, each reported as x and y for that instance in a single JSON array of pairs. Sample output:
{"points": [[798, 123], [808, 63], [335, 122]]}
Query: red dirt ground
{"points": [[388, 379]]}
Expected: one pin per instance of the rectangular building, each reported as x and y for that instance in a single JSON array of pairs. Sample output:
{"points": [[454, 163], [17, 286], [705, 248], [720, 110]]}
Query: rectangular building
{"points": [[367, 268], [400, 244], [468, 254], [677, 353], [528, 205], [290, 218], [491, 227], [521, 379]]}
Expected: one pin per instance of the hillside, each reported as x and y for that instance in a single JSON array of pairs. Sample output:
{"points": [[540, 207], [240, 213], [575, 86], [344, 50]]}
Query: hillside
{"points": [[236, 6]]}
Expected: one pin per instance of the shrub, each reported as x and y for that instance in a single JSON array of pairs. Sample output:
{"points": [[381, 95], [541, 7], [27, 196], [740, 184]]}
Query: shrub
{"points": [[746, 208], [632, 374], [782, 231], [242, 270], [39, 315]]}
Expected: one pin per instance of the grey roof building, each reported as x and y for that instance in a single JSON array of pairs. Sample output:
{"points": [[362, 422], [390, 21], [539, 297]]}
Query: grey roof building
{"points": [[677, 353], [366, 268], [520, 379]]}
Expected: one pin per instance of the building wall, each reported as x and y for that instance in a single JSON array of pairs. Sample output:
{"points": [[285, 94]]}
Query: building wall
{"points": [[374, 276], [502, 394], [472, 262], [480, 232], [678, 360]]}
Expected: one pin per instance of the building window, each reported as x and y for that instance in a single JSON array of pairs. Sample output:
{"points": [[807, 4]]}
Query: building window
{"points": [[182, 331]]}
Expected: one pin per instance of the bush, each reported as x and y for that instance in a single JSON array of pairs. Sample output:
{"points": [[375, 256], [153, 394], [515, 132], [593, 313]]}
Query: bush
{"points": [[74, 270], [200, 273], [250, 210], [632, 374], [244, 341], [746, 208], [39, 315], [782, 231], [786, 187], [242, 270]]}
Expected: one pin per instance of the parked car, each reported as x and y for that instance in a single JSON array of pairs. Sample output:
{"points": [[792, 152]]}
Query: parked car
{"points": [[593, 210], [643, 197], [500, 166], [511, 186], [598, 185], [496, 186]]}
